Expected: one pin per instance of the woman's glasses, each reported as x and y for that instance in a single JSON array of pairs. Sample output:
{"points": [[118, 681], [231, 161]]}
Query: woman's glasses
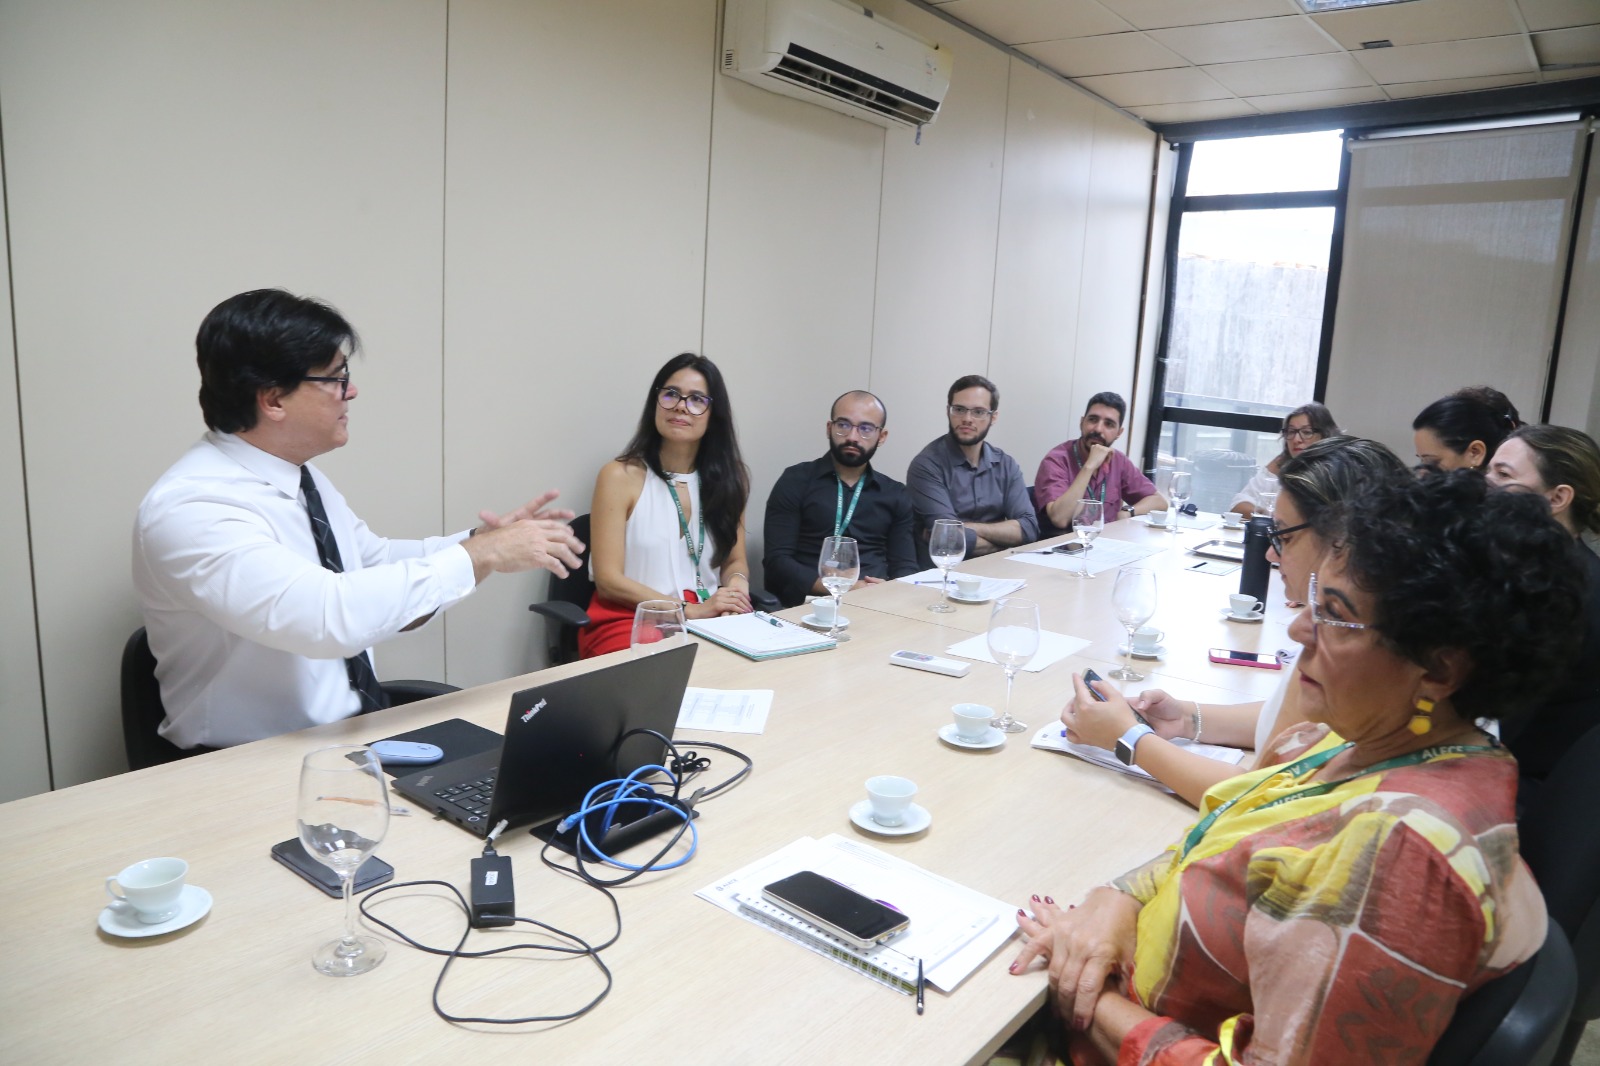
{"points": [[697, 403]]}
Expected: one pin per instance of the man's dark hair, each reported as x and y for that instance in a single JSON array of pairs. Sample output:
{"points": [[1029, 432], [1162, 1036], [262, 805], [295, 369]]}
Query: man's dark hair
{"points": [[262, 339], [869, 395], [724, 479], [974, 381], [1452, 565], [1111, 400]]}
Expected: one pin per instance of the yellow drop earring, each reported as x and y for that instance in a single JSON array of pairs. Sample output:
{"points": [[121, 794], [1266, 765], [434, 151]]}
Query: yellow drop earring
{"points": [[1422, 721]]}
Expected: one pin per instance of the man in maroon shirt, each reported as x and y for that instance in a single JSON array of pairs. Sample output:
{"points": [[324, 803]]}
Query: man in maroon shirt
{"points": [[1088, 468]]}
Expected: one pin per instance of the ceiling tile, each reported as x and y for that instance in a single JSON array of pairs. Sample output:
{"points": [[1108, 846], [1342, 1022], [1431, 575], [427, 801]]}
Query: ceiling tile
{"points": [[1408, 90], [1155, 87], [1233, 42], [1448, 59], [1421, 22], [1113, 53], [1153, 14], [1312, 101], [1022, 21], [1574, 72], [1199, 111], [1554, 14], [1578, 46], [1300, 74]]}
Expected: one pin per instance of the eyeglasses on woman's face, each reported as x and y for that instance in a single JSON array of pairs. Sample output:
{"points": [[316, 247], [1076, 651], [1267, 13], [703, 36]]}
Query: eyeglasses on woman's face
{"points": [[1328, 613], [696, 403], [1276, 535], [1302, 433], [341, 379]]}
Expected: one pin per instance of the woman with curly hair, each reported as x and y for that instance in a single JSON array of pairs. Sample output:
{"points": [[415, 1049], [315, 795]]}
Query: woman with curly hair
{"points": [[668, 519], [1282, 926]]}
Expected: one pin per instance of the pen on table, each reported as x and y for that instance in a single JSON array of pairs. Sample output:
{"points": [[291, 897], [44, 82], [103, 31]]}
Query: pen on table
{"points": [[920, 986], [767, 618]]}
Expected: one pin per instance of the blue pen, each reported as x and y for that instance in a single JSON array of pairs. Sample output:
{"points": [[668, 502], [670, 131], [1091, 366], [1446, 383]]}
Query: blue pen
{"points": [[767, 618]]}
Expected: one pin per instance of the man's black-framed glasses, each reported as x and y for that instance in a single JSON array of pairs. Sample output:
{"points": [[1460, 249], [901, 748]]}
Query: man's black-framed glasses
{"points": [[842, 427], [962, 411], [1275, 534], [697, 403], [341, 379]]}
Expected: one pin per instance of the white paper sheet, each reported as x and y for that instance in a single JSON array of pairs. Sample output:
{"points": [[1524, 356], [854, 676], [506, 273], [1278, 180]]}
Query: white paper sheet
{"points": [[1053, 647], [725, 710], [1104, 554], [1050, 738]]}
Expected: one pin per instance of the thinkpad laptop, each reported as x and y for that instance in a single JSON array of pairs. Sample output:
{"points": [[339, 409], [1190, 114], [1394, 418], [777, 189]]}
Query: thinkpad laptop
{"points": [[561, 739]]}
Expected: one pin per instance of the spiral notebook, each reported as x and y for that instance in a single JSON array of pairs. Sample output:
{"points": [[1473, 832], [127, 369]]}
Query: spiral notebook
{"points": [[759, 635], [883, 963]]}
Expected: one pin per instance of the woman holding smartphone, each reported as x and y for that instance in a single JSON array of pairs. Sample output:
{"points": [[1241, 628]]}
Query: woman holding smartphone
{"points": [[668, 518]]}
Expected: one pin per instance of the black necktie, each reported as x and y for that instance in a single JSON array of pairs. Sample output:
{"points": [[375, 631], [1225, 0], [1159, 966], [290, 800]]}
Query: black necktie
{"points": [[362, 680]]}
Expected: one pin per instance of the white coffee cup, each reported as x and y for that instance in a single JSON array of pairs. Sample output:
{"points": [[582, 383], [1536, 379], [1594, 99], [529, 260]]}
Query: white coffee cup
{"points": [[891, 797], [1147, 639], [972, 720], [1243, 605], [822, 609], [1233, 519], [1158, 518], [967, 585], [150, 888]]}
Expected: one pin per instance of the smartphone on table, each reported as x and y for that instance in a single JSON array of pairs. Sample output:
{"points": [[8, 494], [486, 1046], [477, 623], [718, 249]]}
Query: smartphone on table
{"points": [[293, 854], [844, 912], [1260, 660]]}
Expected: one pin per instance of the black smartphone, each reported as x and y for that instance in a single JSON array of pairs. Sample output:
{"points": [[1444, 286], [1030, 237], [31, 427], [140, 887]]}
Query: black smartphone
{"points": [[844, 912], [1088, 676], [293, 854], [1068, 547]]}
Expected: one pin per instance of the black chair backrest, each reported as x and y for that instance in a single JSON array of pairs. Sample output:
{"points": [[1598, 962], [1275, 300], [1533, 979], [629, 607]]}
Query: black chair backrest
{"points": [[576, 588], [567, 599], [142, 711], [1516, 1019]]}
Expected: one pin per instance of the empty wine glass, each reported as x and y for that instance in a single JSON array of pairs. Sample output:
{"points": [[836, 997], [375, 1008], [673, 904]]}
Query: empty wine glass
{"points": [[658, 625], [1270, 486], [1178, 490], [839, 566], [1087, 525], [1134, 597], [947, 546], [1013, 641], [344, 813]]}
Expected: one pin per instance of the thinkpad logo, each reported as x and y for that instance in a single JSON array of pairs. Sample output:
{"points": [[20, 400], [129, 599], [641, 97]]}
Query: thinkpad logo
{"points": [[535, 709]]}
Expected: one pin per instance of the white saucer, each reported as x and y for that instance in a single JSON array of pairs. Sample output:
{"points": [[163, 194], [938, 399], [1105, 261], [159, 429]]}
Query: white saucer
{"points": [[980, 598], [1153, 656], [816, 623], [1229, 616], [1225, 525], [992, 739], [917, 819], [194, 903]]}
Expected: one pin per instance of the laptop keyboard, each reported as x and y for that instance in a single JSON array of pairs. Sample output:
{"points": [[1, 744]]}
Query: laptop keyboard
{"points": [[471, 796]]}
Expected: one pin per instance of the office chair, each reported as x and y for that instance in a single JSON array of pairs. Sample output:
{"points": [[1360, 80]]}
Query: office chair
{"points": [[567, 602], [1516, 1019], [1560, 841], [143, 712]]}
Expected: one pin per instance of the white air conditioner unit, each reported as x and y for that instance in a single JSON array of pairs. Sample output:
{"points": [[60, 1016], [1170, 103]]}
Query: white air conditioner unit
{"points": [[836, 54]]}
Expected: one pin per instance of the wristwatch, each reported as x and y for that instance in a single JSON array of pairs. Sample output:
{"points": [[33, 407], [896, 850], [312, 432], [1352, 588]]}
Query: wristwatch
{"points": [[1130, 740]]}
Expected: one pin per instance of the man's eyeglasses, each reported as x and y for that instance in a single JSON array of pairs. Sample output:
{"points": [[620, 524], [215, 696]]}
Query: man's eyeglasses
{"points": [[341, 379], [697, 403], [1319, 613], [1275, 534], [842, 426], [979, 413], [1301, 434]]}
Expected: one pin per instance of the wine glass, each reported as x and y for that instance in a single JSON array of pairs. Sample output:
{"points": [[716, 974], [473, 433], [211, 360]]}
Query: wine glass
{"points": [[1134, 597], [839, 566], [658, 625], [1013, 641], [1090, 521], [1178, 490], [343, 813], [1270, 486], [947, 546]]}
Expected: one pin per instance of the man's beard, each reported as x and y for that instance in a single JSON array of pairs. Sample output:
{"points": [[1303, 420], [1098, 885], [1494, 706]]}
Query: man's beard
{"points": [[982, 433], [1089, 439], [861, 457]]}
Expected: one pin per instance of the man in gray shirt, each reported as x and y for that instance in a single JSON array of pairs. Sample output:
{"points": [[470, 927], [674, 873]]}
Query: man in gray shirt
{"points": [[961, 476]]}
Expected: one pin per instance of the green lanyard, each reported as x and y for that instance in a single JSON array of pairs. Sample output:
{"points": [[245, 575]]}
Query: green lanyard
{"points": [[683, 527], [1104, 477], [838, 508], [1322, 788]]}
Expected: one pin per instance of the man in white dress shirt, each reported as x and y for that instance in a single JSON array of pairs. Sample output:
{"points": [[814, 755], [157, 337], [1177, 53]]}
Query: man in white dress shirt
{"points": [[256, 627]]}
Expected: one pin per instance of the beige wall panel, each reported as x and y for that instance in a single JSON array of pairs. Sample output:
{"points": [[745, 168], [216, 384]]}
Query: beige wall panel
{"points": [[24, 758], [936, 249], [1113, 265], [1044, 211], [161, 156], [791, 252], [579, 136]]}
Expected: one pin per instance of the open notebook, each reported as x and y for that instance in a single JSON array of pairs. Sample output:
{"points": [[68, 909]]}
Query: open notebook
{"points": [[759, 635]]}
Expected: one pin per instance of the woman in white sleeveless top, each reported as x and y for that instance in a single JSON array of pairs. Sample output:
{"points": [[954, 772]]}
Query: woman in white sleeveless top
{"points": [[668, 517]]}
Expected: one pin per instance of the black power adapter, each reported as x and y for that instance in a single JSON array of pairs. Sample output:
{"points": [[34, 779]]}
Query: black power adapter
{"points": [[492, 892]]}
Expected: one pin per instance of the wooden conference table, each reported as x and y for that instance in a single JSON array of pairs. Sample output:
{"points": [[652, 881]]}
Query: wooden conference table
{"points": [[692, 982]]}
